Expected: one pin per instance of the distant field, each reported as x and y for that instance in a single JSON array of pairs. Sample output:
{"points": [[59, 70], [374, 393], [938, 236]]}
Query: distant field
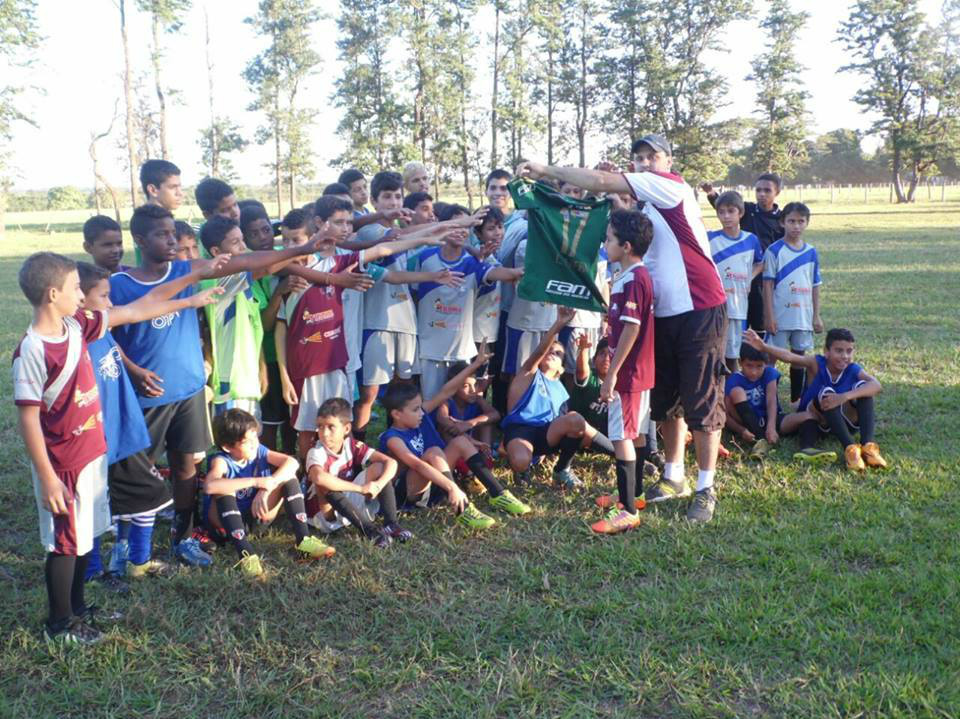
{"points": [[814, 593]]}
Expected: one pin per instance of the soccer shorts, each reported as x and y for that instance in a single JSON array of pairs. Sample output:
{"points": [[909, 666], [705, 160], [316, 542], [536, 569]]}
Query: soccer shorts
{"points": [[182, 426], [387, 355], [628, 415], [793, 340], [273, 410], [570, 350], [430, 496], [536, 435], [88, 516], [734, 338], [520, 345], [313, 392], [250, 406], [853, 423], [136, 487], [433, 375], [317, 508]]}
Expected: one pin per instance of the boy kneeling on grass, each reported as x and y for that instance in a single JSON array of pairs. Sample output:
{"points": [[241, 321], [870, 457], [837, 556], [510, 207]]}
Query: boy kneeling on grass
{"points": [[245, 485], [839, 399]]}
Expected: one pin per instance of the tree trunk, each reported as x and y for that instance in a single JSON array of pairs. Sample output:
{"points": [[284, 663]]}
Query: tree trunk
{"points": [[214, 139], [496, 82], [128, 99], [550, 106], [293, 190], [161, 101], [582, 110], [897, 167]]}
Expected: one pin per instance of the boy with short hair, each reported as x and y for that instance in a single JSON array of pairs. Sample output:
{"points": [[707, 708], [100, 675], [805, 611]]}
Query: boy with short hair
{"points": [[216, 197], [791, 291], [161, 185], [356, 184], [467, 411], [244, 487], [421, 205], [489, 236], [349, 482], [416, 178], [187, 248], [103, 241], [739, 259], [425, 459], [838, 398]]}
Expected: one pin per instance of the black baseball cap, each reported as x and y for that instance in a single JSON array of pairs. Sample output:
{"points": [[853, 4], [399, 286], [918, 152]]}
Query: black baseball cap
{"points": [[657, 142]]}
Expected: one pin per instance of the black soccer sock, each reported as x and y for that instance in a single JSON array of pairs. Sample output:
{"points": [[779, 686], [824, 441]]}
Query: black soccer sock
{"points": [[388, 503], [58, 571], [184, 499], [232, 521], [478, 465], [797, 377], [652, 441], [568, 448], [643, 454], [602, 443], [809, 434], [866, 419], [295, 508], [748, 418], [77, 602], [627, 484], [838, 426], [346, 508]]}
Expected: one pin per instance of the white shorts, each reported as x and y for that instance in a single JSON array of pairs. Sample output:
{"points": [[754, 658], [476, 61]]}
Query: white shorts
{"points": [[433, 375], [387, 355], [734, 338], [314, 392], [628, 415], [88, 515], [520, 345], [367, 509], [570, 346], [794, 340]]}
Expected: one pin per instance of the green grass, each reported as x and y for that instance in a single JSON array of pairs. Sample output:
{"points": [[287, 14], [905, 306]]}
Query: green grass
{"points": [[814, 593]]}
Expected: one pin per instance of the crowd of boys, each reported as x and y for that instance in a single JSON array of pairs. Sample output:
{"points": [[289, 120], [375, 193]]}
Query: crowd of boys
{"points": [[235, 368]]}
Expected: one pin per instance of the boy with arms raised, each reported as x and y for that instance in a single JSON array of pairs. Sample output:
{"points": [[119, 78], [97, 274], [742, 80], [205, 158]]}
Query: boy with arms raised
{"points": [[61, 421], [467, 411], [739, 259], [425, 460], [838, 400]]}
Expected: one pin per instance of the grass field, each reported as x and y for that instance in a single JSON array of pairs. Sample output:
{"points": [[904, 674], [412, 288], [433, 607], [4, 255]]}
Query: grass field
{"points": [[814, 593]]}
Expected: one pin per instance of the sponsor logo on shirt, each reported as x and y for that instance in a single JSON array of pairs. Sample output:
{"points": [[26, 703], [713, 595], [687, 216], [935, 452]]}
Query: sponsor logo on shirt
{"points": [[796, 289], [443, 309], [312, 318], [109, 365], [92, 421], [400, 296], [631, 305], [321, 336], [567, 289], [83, 399], [735, 276], [437, 324], [164, 321]]}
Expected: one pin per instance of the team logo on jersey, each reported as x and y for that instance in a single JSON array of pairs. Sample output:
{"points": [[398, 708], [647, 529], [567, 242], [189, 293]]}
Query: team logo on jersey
{"points": [[83, 399], [567, 289], [164, 321], [109, 364], [400, 296], [312, 318], [88, 314], [416, 444], [630, 305]]}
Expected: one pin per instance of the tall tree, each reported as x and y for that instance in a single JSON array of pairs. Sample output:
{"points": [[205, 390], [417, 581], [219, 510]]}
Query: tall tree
{"points": [[548, 20], [222, 136], [18, 41], [276, 76], [517, 113], [579, 58], [98, 178], [499, 10], [129, 108], [779, 143]]}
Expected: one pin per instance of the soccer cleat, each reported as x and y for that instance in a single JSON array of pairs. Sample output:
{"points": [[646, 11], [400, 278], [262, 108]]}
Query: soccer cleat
{"points": [[111, 583], [188, 552], [381, 540], [567, 480], [701, 508], [93, 616], [118, 558], [506, 502], [872, 457], [606, 501], [150, 568], [473, 487], [73, 632], [395, 531], [522, 479], [854, 458], [658, 460], [250, 565], [665, 490], [473, 518], [314, 548], [760, 450], [650, 469], [814, 455], [204, 539], [616, 521]]}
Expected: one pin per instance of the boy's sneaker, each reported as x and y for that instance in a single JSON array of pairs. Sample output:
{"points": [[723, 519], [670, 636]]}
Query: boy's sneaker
{"points": [[616, 521], [658, 459], [854, 458], [701, 508], [118, 558], [473, 486], [473, 518], [760, 450], [650, 469], [112, 583], [871, 455], [815, 455], [93, 615], [150, 568], [395, 531], [250, 566], [381, 540], [567, 480], [506, 502], [73, 631], [314, 548], [522, 479], [188, 551], [665, 490], [206, 542], [606, 501]]}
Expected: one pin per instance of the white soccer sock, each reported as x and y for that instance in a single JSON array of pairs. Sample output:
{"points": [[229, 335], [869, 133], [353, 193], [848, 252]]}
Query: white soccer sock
{"points": [[673, 471], [705, 478]]}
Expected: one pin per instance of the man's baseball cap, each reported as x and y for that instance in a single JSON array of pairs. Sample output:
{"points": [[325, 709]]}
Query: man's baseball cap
{"points": [[657, 142]]}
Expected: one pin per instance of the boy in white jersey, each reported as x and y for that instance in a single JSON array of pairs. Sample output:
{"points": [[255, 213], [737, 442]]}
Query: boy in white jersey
{"points": [[739, 258], [791, 291]]}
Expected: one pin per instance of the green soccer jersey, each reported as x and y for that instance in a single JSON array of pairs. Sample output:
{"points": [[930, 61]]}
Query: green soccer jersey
{"points": [[563, 243], [585, 399]]}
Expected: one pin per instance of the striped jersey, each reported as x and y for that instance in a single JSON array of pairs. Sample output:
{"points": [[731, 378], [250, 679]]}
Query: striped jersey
{"points": [[735, 258], [794, 273]]}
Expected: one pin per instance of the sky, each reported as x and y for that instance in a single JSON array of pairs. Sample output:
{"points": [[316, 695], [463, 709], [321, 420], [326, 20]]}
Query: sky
{"points": [[80, 62]]}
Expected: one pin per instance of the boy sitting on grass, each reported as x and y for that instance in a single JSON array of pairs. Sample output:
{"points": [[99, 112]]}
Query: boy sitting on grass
{"points": [[348, 482], [838, 398], [425, 459], [467, 412], [245, 485]]}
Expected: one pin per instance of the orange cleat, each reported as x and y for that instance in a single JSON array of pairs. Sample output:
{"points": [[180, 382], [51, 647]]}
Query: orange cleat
{"points": [[872, 457], [615, 522], [605, 501], [854, 458]]}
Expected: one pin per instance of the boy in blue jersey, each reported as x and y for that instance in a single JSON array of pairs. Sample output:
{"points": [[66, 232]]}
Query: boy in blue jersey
{"points": [[838, 400], [753, 409], [791, 291], [244, 487], [425, 460], [739, 258], [538, 422], [467, 411], [169, 347]]}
